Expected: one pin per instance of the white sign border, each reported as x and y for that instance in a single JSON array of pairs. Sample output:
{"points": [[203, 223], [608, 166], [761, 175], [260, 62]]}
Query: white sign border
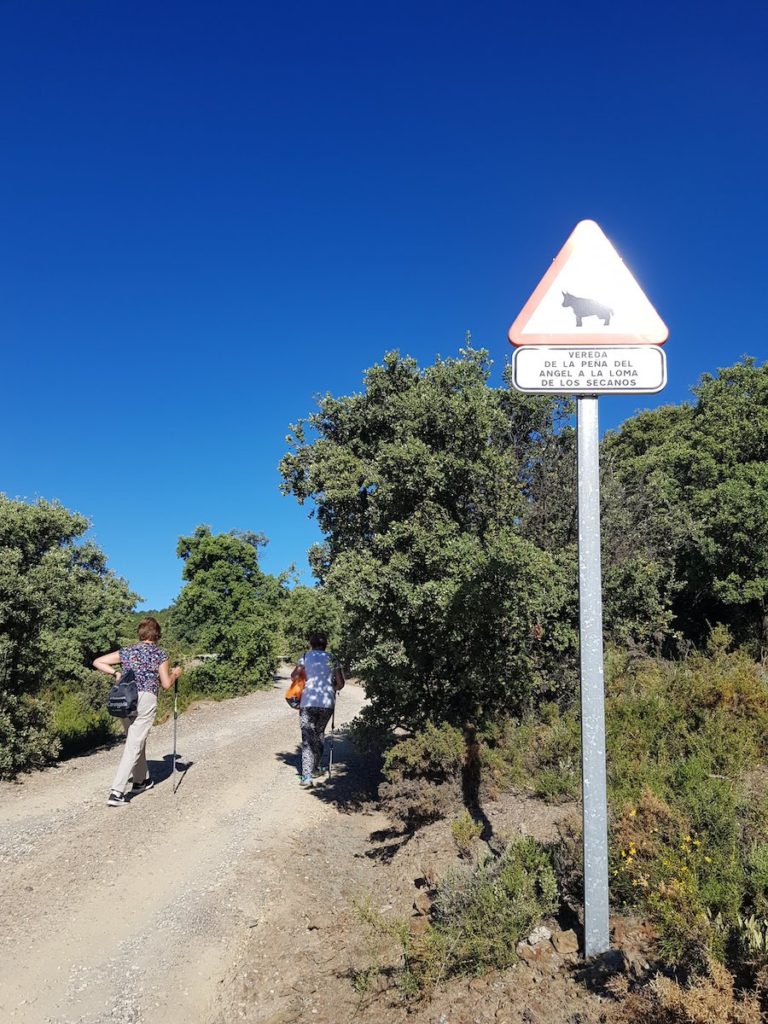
{"points": [[619, 350]]}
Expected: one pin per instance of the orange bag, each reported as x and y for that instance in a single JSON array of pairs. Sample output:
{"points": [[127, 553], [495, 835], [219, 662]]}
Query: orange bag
{"points": [[296, 689]]}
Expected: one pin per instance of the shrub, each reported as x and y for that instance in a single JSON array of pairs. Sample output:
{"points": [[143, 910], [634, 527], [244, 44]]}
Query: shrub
{"points": [[26, 737], [687, 841], [670, 726], [479, 916], [465, 832], [436, 754], [506, 745], [368, 735], [481, 913], [307, 610], [79, 726], [213, 680], [423, 775], [541, 755], [710, 999], [689, 816], [757, 876], [79, 716]]}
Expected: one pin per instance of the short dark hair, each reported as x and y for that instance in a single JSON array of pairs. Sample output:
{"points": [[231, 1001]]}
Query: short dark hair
{"points": [[149, 629], [318, 641]]}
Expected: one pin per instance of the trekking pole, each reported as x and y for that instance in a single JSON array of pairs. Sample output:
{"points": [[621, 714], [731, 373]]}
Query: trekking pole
{"points": [[330, 746], [175, 717]]}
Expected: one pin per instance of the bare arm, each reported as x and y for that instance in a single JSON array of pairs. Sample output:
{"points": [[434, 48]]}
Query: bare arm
{"points": [[108, 663], [167, 679]]}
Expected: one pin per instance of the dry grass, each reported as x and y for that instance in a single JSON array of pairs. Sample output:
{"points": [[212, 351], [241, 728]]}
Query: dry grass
{"points": [[707, 1000]]}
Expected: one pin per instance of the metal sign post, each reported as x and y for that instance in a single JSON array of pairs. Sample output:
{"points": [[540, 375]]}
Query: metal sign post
{"points": [[588, 330], [596, 934]]}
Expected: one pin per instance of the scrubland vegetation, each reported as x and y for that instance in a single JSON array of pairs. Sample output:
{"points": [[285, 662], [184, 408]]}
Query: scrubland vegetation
{"points": [[688, 801], [447, 580], [448, 510]]}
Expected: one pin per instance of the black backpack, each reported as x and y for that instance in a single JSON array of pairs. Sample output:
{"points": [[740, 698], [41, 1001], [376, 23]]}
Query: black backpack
{"points": [[123, 698]]}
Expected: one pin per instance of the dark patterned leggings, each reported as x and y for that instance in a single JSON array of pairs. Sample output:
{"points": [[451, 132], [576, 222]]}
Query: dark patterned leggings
{"points": [[313, 722]]}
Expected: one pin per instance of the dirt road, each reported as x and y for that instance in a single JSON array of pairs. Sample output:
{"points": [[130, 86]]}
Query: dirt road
{"points": [[130, 915]]}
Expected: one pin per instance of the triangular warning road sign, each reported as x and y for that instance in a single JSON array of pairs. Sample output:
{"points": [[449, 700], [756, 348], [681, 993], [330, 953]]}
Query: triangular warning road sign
{"points": [[588, 297]]}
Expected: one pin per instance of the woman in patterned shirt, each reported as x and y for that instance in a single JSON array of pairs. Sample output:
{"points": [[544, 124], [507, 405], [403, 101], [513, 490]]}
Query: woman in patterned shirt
{"points": [[150, 666]]}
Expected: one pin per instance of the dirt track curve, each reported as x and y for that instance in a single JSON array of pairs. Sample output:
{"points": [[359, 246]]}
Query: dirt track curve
{"points": [[131, 915]]}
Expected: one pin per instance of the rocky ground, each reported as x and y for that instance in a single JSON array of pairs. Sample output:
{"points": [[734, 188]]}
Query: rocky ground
{"points": [[357, 858]]}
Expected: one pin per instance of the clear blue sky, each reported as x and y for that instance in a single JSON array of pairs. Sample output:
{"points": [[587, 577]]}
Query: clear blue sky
{"points": [[210, 212]]}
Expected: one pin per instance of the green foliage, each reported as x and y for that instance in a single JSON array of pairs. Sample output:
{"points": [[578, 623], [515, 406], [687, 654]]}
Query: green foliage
{"points": [[479, 916], [639, 580], [466, 831], [751, 935], [228, 607], [59, 607], [80, 724], [27, 740], [482, 913], [369, 735], [420, 485], [307, 610], [702, 472], [540, 753], [202, 683], [681, 728], [505, 744], [216, 680], [689, 830], [435, 754], [131, 622], [423, 775]]}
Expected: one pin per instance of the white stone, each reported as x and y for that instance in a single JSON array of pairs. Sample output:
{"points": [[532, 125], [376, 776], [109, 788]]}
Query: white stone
{"points": [[540, 934]]}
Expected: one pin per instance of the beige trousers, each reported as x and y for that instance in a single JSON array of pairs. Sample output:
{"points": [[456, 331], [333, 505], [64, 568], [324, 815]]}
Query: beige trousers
{"points": [[133, 763]]}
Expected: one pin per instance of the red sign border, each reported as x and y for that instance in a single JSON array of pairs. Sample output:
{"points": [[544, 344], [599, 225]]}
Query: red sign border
{"points": [[588, 338]]}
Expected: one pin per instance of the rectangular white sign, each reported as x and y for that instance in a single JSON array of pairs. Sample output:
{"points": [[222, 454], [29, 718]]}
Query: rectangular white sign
{"points": [[598, 370]]}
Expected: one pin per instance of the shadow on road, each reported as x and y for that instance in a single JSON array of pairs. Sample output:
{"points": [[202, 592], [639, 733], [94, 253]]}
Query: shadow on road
{"points": [[354, 777], [161, 771]]}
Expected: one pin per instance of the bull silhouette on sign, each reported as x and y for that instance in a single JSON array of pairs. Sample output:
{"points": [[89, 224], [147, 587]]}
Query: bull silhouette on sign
{"points": [[587, 307]]}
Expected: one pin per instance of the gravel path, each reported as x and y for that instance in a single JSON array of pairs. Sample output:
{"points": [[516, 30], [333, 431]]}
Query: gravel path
{"points": [[130, 915]]}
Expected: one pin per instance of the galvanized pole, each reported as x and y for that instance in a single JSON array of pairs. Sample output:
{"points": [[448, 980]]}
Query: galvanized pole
{"points": [[596, 934]]}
